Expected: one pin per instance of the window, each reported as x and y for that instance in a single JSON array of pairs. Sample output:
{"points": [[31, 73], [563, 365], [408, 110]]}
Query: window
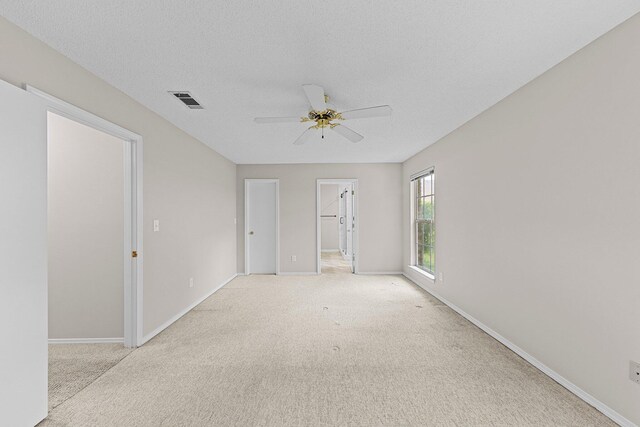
{"points": [[424, 226]]}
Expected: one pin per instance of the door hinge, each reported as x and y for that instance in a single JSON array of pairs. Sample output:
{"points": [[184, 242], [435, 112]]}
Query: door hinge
{"points": [[353, 192], [134, 254]]}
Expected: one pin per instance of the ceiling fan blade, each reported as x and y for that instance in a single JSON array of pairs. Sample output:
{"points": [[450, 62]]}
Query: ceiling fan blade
{"points": [[315, 95], [348, 133], [305, 137], [365, 113], [277, 119]]}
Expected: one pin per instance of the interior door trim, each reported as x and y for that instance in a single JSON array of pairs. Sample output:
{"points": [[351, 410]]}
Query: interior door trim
{"points": [[133, 209]]}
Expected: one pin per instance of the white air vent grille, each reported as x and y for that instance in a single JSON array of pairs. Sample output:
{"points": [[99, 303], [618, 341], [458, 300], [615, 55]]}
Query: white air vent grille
{"points": [[187, 99]]}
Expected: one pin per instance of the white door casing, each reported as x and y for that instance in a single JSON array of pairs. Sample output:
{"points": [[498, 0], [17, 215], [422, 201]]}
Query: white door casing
{"points": [[133, 254], [261, 226]]}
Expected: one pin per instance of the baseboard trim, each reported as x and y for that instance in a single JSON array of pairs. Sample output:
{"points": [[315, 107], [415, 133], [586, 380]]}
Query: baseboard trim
{"points": [[381, 273], [169, 322], [330, 250], [86, 340], [606, 410], [297, 273]]}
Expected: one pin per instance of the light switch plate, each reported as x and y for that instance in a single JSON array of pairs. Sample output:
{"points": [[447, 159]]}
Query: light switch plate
{"points": [[156, 225], [634, 371], [191, 282], [293, 258]]}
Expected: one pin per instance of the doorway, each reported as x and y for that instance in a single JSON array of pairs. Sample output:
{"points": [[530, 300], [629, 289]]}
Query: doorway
{"points": [[261, 202], [336, 225], [94, 242], [85, 239], [132, 185]]}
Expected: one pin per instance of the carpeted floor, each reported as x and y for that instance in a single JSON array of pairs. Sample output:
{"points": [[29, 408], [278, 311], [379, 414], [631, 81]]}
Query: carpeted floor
{"points": [[72, 367], [323, 350], [333, 263]]}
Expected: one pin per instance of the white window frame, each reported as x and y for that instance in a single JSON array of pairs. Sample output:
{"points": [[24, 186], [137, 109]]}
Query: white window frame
{"points": [[414, 252]]}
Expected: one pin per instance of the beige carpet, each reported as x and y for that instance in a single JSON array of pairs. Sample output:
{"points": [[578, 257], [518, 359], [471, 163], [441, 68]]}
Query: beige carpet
{"points": [[323, 350], [72, 367], [333, 263]]}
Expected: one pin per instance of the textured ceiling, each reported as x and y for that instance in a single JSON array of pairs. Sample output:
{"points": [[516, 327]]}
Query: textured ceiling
{"points": [[437, 63]]}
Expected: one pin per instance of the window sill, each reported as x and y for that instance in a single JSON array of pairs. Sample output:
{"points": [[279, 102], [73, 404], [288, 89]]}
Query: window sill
{"points": [[430, 277]]}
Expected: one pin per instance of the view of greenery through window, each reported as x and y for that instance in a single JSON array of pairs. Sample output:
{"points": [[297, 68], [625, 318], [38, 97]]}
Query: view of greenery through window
{"points": [[424, 224]]}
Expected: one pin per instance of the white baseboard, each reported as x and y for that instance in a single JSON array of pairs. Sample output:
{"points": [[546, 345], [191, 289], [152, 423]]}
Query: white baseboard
{"points": [[86, 340], [297, 273], [381, 273], [330, 250], [606, 410], [168, 323]]}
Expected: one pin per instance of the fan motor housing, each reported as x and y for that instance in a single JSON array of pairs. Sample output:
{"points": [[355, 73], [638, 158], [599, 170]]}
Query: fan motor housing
{"points": [[323, 118]]}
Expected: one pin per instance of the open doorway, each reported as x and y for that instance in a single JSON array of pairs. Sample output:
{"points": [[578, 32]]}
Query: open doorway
{"points": [[94, 245], [336, 226], [86, 267]]}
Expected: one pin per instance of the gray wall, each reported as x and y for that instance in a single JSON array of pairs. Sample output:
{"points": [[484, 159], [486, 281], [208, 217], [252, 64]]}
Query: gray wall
{"points": [[378, 201], [329, 238], [85, 231], [187, 186], [538, 217]]}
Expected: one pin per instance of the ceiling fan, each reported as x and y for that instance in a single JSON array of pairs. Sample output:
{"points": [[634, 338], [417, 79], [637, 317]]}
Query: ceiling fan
{"points": [[325, 115]]}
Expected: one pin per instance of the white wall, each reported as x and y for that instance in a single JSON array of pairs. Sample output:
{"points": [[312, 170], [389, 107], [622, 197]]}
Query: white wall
{"points": [[85, 231], [329, 199], [187, 186], [380, 219], [537, 211]]}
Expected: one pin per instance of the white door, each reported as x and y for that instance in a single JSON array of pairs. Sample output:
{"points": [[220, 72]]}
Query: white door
{"points": [[261, 228], [347, 222], [23, 257], [342, 227], [351, 226]]}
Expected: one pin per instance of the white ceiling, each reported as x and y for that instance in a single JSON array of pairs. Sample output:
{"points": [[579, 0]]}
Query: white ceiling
{"points": [[437, 63]]}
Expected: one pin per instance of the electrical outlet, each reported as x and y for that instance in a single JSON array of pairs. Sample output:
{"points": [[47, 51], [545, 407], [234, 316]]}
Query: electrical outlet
{"points": [[293, 258], [191, 282], [634, 371], [441, 276], [156, 225]]}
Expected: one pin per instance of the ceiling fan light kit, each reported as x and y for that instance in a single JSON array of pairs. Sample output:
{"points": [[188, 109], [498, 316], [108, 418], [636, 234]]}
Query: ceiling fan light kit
{"points": [[324, 116]]}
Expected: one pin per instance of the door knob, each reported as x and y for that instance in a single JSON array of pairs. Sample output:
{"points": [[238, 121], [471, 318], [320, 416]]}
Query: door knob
{"points": [[251, 232]]}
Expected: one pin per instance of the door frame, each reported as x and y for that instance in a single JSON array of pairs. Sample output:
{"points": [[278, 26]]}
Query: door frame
{"points": [[247, 181], [354, 234], [133, 219]]}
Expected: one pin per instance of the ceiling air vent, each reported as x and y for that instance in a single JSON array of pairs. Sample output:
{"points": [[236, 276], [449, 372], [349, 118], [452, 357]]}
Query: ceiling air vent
{"points": [[187, 99]]}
